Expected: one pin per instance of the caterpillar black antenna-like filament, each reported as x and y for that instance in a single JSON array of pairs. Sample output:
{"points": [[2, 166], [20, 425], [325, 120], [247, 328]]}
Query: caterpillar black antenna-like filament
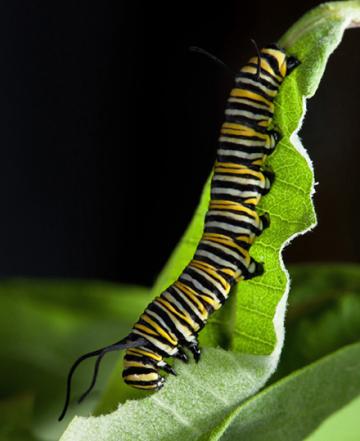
{"points": [[122, 344]]}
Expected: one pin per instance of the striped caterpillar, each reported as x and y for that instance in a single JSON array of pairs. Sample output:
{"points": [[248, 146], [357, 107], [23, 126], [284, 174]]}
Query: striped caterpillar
{"points": [[173, 320]]}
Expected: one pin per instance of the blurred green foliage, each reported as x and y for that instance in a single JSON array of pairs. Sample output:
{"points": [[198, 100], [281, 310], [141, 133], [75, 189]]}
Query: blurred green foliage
{"points": [[45, 325]]}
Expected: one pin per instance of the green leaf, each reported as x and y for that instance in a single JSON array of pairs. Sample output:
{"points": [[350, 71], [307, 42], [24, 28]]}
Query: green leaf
{"points": [[192, 403], [45, 325], [292, 408], [323, 313], [343, 425]]}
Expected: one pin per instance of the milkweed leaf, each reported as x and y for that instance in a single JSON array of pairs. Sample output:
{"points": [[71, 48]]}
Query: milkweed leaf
{"points": [[292, 408], [343, 424]]}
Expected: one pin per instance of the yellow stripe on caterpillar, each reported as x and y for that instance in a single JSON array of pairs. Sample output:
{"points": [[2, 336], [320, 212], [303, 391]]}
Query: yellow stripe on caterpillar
{"points": [[158, 329], [211, 271], [193, 296], [251, 95]]}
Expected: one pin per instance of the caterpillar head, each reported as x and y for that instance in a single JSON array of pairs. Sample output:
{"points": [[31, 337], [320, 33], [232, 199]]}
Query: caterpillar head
{"points": [[278, 59], [291, 64]]}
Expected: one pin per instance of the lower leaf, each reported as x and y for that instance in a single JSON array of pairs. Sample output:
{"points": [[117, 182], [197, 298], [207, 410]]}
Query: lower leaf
{"points": [[189, 406], [292, 408]]}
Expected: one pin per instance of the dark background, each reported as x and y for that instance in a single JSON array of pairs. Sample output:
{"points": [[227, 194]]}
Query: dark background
{"points": [[109, 129]]}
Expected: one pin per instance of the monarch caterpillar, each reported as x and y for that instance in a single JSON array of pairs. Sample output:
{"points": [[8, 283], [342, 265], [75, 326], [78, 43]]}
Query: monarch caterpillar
{"points": [[174, 319]]}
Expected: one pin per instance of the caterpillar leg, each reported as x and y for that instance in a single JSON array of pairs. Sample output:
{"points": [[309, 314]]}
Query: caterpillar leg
{"points": [[181, 355], [269, 180], [195, 350], [291, 63], [265, 221], [254, 269], [166, 367], [269, 174], [274, 138], [159, 384]]}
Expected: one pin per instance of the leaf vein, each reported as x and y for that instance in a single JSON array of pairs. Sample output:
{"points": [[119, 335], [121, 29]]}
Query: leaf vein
{"points": [[168, 409], [252, 337], [204, 387]]}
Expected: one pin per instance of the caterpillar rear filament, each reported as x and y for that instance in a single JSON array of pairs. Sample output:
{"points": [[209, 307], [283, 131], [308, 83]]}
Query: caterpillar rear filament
{"points": [[173, 320]]}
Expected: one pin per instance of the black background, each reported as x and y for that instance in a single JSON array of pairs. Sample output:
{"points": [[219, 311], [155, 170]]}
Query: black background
{"points": [[109, 129]]}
